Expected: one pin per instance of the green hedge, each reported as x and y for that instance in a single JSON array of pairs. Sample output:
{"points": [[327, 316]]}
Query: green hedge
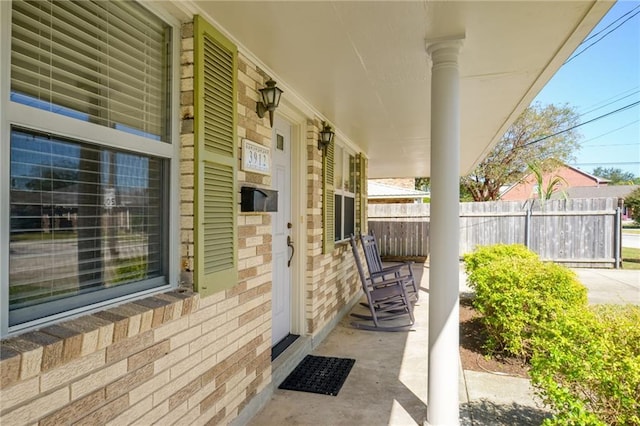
{"points": [[585, 362], [586, 366], [516, 293], [485, 255]]}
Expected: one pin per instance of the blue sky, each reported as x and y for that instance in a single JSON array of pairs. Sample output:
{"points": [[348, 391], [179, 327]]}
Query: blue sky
{"points": [[602, 79]]}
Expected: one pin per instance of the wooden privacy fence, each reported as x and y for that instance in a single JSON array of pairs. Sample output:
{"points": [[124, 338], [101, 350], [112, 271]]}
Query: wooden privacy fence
{"points": [[575, 232]]}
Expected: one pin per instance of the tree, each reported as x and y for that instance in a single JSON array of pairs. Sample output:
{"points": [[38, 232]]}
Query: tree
{"points": [[541, 134], [632, 201], [616, 176], [546, 189], [422, 183]]}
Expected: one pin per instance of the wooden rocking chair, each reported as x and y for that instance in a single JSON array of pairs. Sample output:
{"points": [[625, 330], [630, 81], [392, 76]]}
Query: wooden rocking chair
{"points": [[377, 272], [387, 299]]}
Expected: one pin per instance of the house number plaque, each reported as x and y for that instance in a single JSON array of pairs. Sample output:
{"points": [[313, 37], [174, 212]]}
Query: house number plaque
{"points": [[255, 157]]}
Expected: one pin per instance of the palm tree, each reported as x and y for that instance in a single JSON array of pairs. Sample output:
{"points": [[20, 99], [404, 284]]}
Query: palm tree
{"points": [[546, 190]]}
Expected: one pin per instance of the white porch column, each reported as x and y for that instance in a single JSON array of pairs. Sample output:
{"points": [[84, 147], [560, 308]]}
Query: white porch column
{"points": [[444, 358]]}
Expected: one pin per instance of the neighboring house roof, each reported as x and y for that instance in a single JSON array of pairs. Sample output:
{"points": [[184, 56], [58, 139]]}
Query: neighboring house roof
{"points": [[377, 191], [573, 176], [615, 191], [589, 175]]}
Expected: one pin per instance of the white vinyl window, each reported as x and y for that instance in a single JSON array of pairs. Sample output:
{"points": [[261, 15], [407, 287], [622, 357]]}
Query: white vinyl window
{"points": [[345, 192], [90, 161]]}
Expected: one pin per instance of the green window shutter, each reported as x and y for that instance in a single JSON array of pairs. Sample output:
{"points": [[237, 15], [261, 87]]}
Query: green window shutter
{"points": [[328, 201], [215, 60], [361, 216]]}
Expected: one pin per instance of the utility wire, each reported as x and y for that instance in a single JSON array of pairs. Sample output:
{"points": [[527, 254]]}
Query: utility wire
{"points": [[609, 132], [625, 92], [617, 163], [631, 105], [612, 23], [609, 103], [608, 145], [598, 40]]}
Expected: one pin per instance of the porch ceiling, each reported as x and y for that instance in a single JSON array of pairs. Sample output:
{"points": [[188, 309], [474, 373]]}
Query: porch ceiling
{"points": [[363, 65]]}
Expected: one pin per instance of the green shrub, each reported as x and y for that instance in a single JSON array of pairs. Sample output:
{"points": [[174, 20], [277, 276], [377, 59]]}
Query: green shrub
{"points": [[516, 293], [586, 366], [484, 255]]}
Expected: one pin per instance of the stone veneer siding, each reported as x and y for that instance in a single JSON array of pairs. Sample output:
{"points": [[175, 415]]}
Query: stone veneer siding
{"points": [[174, 356]]}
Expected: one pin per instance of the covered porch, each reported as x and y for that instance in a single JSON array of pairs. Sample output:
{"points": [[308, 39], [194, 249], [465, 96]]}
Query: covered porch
{"points": [[422, 88], [388, 382]]}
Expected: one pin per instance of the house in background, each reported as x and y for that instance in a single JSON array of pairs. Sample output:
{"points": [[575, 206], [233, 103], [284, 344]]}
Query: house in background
{"points": [[573, 177], [199, 310], [386, 191], [608, 191]]}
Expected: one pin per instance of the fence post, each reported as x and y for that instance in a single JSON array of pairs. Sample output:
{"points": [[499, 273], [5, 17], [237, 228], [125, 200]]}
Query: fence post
{"points": [[617, 239], [527, 228]]}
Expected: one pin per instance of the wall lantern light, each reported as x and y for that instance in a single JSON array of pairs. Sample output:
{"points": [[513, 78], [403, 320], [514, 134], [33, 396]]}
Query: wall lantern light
{"points": [[270, 100], [326, 136]]}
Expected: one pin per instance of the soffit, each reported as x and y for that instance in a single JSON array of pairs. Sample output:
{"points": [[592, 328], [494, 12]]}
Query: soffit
{"points": [[363, 65]]}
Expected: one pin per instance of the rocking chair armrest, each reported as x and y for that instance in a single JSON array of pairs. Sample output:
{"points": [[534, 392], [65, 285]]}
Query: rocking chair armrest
{"points": [[394, 269], [408, 264], [390, 269], [391, 281]]}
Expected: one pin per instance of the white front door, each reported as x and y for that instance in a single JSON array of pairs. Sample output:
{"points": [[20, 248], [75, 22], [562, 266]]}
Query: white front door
{"points": [[283, 245]]}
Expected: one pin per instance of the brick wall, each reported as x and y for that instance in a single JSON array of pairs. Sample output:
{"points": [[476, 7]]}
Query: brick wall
{"points": [[176, 356], [187, 157], [332, 279]]}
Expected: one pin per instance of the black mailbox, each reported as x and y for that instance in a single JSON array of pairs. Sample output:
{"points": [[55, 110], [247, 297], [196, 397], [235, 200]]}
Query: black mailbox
{"points": [[258, 200]]}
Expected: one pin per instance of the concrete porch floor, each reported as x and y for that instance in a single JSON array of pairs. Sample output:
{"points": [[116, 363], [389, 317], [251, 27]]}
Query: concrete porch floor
{"points": [[388, 383]]}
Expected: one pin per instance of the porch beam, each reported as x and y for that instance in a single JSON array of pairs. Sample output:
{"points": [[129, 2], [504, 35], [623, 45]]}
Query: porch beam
{"points": [[444, 358]]}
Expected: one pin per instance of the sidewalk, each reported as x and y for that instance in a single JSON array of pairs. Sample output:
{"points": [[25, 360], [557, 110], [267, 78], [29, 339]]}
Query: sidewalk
{"points": [[388, 383], [617, 286]]}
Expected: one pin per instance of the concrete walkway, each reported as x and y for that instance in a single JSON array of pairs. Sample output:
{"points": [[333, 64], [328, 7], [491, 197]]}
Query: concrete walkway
{"points": [[388, 383], [618, 286]]}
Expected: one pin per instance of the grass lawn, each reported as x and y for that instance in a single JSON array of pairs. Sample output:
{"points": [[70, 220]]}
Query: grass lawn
{"points": [[630, 231], [630, 258]]}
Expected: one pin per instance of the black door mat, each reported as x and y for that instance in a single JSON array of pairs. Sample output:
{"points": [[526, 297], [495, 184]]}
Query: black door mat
{"points": [[319, 374]]}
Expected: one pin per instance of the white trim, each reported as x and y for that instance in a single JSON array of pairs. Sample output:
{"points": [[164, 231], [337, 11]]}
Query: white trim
{"points": [[50, 122], [346, 152], [5, 151], [297, 120], [12, 113], [174, 185]]}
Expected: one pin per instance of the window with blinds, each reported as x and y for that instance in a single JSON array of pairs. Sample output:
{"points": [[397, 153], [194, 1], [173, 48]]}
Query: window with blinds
{"points": [[88, 222], [345, 188], [83, 218], [104, 62]]}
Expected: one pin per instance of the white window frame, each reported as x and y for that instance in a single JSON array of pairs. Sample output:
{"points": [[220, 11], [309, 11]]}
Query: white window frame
{"points": [[340, 191], [14, 114]]}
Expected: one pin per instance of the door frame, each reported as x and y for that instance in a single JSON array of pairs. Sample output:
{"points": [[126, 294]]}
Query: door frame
{"points": [[298, 121]]}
